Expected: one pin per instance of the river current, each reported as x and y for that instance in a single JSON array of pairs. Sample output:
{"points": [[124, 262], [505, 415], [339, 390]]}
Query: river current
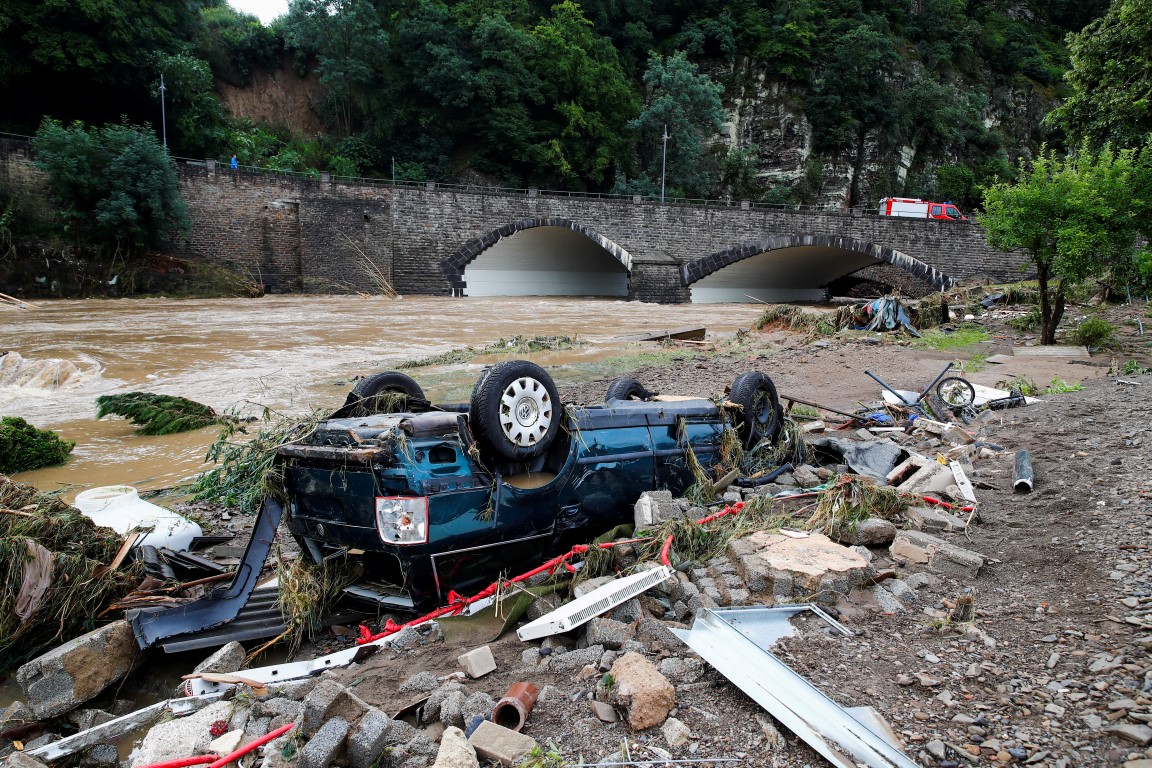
{"points": [[288, 353]]}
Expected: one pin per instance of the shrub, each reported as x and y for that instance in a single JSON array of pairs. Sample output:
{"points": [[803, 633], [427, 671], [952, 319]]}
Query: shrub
{"points": [[23, 447], [1094, 332]]}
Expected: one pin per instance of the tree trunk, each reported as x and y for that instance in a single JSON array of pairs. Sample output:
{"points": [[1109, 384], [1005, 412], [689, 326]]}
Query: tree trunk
{"points": [[1047, 327], [1058, 309], [857, 167]]}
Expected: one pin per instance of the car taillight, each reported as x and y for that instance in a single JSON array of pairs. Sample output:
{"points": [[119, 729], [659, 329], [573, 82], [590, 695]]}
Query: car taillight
{"points": [[402, 519]]}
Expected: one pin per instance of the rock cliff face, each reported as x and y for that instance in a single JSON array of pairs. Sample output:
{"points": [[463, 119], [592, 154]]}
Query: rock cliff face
{"points": [[768, 115]]}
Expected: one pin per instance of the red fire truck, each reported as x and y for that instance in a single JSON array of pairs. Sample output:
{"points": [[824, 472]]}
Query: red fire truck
{"points": [[915, 208]]}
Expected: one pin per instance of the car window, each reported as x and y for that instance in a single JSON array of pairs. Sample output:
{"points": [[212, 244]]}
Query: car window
{"points": [[954, 213], [937, 209]]}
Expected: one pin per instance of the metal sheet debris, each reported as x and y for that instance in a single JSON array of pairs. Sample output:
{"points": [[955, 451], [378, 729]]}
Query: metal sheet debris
{"points": [[581, 610], [736, 640]]}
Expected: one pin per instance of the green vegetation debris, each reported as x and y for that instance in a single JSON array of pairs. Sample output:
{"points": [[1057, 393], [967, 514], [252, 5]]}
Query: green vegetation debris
{"points": [[516, 345], [245, 474], [1027, 323], [792, 318], [308, 592], [850, 501], [24, 447], [158, 414], [1022, 384], [1133, 367], [38, 533]]}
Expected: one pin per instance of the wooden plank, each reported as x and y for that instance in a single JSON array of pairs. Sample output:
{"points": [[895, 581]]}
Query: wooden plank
{"points": [[687, 333]]}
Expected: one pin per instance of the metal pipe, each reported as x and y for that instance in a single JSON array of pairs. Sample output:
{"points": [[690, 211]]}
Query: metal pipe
{"points": [[1022, 474], [882, 383], [512, 710]]}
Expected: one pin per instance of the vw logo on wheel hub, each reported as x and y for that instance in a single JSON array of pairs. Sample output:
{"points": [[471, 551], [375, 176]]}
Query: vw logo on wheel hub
{"points": [[526, 411]]}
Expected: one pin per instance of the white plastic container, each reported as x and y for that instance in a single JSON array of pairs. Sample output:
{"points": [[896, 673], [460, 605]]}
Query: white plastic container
{"points": [[120, 508]]}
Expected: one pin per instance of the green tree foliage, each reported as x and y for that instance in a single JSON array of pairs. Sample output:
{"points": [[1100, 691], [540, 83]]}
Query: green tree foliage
{"points": [[590, 98], [687, 103], [23, 447], [351, 48], [854, 96], [1111, 79], [158, 414], [115, 186], [1072, 217], [195, 118]]}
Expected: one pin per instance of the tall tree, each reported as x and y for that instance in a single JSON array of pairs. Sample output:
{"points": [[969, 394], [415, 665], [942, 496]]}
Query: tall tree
{"points": [[854, 96], [590, 100], [1071, 217], [1111, 79], [687, 103]]}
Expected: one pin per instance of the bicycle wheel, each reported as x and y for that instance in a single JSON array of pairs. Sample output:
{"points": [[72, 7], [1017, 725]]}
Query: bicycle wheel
{"points": [[956, 392]]}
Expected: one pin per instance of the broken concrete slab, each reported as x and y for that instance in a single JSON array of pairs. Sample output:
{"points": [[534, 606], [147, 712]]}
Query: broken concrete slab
{"points": [[933, 520], [796, 567], [22, 760], [181, 737], [495, 742], [327, 700], [226, 744], [455, 751], [78, 670], [939, 555], [640, 690]]}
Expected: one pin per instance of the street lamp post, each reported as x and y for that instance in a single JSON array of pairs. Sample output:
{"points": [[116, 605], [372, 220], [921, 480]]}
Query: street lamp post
{"points": [[664, 163], [163, 117]]}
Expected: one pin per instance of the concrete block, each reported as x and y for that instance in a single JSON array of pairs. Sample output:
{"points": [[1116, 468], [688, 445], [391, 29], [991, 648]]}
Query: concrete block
{"points": [[327, 700], [654, 508], [22, 760], [78, 670], [937, 554], [455, 751], [504, 745], [477, 662], [367, 739], [326, 745]]}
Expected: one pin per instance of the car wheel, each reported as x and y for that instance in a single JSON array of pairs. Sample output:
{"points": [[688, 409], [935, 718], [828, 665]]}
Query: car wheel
{"points": [[369, 396], [760, 416], [515, 410], [627, 389]]}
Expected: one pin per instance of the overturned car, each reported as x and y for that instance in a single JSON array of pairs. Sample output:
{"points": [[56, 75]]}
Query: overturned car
{"points": [[437, 499]]}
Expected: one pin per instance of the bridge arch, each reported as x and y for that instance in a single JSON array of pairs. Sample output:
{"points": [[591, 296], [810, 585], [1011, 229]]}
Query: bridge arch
{"points": [[573, 267], [792, 268]]}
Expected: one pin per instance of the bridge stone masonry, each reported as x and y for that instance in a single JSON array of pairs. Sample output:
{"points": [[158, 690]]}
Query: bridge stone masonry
{"points": [[316, 235]]}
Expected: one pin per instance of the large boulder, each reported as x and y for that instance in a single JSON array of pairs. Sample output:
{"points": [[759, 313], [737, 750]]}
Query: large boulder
{"points": [[642, 691], [78, 670]]}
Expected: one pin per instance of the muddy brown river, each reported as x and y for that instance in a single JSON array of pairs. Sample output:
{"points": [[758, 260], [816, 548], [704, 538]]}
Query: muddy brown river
{"points": [[288, 353]]}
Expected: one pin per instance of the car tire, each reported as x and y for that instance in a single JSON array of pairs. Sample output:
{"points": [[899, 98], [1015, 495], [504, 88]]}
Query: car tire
{"points": [[627, 389], [364, 398], [760, 416], [515, 410]]}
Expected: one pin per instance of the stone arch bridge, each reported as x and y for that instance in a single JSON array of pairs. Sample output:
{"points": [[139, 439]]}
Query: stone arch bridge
{"points": [[297, 234]]}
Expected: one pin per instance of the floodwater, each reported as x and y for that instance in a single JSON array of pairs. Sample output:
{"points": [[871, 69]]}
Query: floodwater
{"points": [[287, 353]]}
